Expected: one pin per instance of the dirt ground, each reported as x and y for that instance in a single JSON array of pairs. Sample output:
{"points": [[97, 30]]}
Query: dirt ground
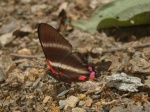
{"points": [[24, 84]]}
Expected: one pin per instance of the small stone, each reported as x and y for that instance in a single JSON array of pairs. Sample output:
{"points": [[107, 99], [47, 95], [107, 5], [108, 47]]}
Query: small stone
{"points": [[6, 38], [97, 50], [81, 96], [77, 109], [26, 1], [1, 52], [39, 107], [2, 75], [72, 101], [15, 78], [46, 99], [146, 107], [36, 82], [36, 8], [117, 109], [44, 87], [63, 93], [24, 51], [9, 27], [81, 103], [81, 4], [124, 82], [95, 96], [62, 104], [89, 101]]}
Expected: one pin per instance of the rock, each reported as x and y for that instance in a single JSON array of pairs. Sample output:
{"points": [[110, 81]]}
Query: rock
{"points": [[63, 6], [36, 82], [36, 8], [6, 28], [89, 85], [97, 50], [6, 38], [24, 51], [2, 75], [88, 101], [46, 99], [81, 96], [43, 87], [146, 107], [26, 1], [62, 104], [6, 63], [77, 109], [81, 4], [81, 103], [39, 107], [15, 78], [117, 109], [72, 101], [63, 93], [124, 82], [1, 52], [147, 81], [134, 108], [93, 4], [95, 96]]}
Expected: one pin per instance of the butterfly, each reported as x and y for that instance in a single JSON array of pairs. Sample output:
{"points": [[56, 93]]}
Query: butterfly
{"points": [[64, 64]]}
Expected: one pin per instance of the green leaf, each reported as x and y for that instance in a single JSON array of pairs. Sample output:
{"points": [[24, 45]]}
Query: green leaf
{"points": [[118, 13]]}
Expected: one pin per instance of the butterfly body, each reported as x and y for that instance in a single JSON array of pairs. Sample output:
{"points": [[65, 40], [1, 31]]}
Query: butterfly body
{"points": [[64, 64]]}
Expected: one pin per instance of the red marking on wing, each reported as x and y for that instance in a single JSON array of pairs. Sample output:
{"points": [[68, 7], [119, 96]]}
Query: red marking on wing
{"points": [[90, 68], [92, 75], [81, 78], [51, 68]]}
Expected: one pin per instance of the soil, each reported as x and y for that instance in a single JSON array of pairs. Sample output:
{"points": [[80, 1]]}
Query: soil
{"points": [[26, 87]]}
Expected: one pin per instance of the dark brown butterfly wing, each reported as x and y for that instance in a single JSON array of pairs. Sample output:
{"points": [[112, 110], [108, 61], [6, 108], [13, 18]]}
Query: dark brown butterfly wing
{"points": [[58, 51], [74, 65], [102, 66], [54, 45]]}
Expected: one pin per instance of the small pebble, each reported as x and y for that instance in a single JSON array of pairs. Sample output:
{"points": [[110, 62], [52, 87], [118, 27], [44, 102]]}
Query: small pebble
{"points": [[44, 87], [81, 96], [72, 101], [36, 82], [24, 51], [95, 96], [89, 101], [46, 99], [63, 93], [2, 75], [62, 104], [77, 109], [81, 103]]}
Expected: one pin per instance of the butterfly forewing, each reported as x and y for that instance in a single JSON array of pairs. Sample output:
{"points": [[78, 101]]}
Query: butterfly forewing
{"points": [[54, 45]]}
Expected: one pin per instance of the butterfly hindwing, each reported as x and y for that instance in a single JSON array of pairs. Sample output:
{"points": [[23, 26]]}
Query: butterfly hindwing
{"points": [[75, 65]]}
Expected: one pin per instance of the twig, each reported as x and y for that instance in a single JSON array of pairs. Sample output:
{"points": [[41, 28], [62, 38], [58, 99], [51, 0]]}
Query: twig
{"points": [[20, 61], [125, 48], [108, 103], [26, 56]]}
